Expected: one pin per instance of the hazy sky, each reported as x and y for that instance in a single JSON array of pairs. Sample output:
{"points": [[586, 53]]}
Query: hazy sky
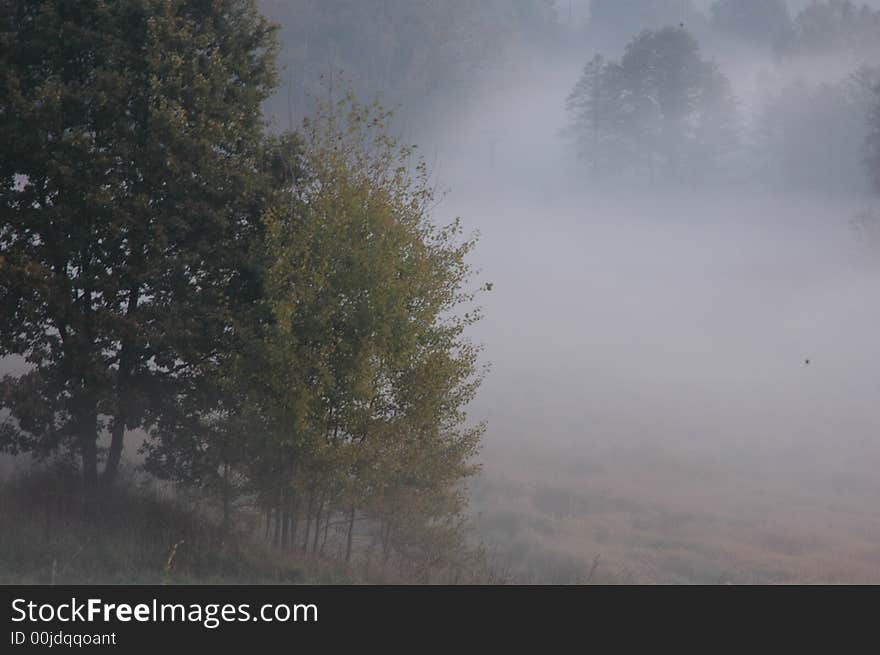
{"points": [[580, 8]]}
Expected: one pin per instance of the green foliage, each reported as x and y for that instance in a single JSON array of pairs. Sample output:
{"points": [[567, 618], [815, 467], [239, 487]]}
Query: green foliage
{"points": [[128, 183], [279, 314], [370, 368], [346, 403], [205, 436]]}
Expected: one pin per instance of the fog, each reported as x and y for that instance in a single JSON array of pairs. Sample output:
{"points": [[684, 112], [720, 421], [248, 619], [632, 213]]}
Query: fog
{"points": [[682, 348], [700, 304], [706, 353]]}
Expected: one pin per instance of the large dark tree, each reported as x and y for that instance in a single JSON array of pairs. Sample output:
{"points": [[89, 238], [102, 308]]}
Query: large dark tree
{"points": [[131, 136]]}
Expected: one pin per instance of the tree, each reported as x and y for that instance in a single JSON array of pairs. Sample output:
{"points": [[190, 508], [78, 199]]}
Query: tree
{"points": [[835, 115], [129, 186], [761, 22], [206, 435], [834, 26], [414, 53], [660, 108], [873, 141], [595, 105], [369, 366]]}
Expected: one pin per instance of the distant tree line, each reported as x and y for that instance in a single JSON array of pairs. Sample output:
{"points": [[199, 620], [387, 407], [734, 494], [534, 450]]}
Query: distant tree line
{"points": [[413, 52], [822, 27], [423, 53], [836, 115], [832, 26], [278, 313], [662, 112]]}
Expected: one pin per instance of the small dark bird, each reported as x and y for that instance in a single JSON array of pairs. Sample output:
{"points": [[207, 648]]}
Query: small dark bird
{"points": [[807, 362], [681, 25]]}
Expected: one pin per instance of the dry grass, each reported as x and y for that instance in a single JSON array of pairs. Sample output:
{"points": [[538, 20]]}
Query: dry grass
{"points": [[652, 519], [618, 516]]}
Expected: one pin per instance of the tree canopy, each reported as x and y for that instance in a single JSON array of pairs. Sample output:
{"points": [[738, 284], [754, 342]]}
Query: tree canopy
{"points": [[279, 314], [129, 179], [660, 109]]}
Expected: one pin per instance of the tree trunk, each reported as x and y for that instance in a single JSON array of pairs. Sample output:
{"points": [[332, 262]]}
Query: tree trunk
{"points": [[308, 521], [123, 398], [114, 454], [47, 505], [317, 527], [326, 531], [350, 531], [225, 494], [89, 454], [285, 522], [294, 521], [386, 544]]}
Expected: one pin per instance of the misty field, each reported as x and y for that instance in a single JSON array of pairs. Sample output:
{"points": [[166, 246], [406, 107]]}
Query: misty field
{"points": [[407, 291], [634, 517], [672, 430]]}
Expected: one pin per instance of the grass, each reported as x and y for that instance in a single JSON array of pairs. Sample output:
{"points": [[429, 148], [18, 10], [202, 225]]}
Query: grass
{"points": [[688, 521], [139, 533], [143, 532], [620, 518]]}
